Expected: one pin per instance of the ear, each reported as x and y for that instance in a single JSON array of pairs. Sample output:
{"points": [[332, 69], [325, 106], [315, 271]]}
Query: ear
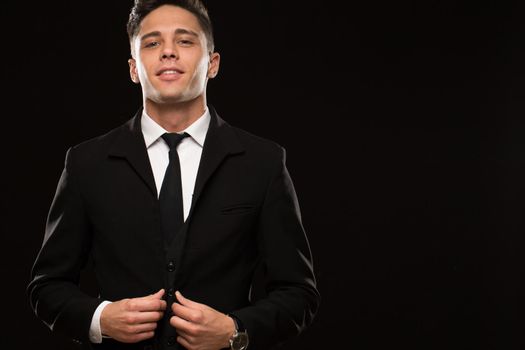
{"points": [[213, 66], [133, 71]]}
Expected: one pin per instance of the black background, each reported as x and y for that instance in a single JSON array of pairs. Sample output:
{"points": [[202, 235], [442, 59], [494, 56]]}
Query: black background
{"points": [[405, 133]]}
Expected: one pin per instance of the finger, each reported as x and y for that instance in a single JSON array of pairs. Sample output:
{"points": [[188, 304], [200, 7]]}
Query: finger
{"points": [[145, 304], [182, 341], [190, 338], [187, 302], [157, 295], [143, 327], [145, 317], [182, 325], [187, 313]]}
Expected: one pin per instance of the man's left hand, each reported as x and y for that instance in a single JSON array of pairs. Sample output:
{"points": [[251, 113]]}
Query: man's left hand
{"points": [[199, 326]]}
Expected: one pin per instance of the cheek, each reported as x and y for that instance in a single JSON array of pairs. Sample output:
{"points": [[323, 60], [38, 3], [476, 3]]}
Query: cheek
{"points": [[201, 70], [144, 67], [142, 73]]}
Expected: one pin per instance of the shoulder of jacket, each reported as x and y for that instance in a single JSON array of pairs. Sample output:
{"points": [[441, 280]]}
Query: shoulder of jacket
{"points": [[251, 140]]}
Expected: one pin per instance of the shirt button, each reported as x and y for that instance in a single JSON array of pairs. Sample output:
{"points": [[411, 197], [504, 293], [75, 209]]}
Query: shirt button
{"points": [[171, 266], [171, 341], [171, 292]]}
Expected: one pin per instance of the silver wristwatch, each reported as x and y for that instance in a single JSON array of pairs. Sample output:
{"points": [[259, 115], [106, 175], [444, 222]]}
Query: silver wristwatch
{"points": [[239, 339]]}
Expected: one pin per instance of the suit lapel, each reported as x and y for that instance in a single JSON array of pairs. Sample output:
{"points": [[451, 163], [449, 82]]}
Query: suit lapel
{"points": [[221, 141], [131, 146]]}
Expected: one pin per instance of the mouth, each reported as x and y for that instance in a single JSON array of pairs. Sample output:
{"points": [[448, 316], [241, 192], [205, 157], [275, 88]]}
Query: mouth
{"points": [[169, 72]]}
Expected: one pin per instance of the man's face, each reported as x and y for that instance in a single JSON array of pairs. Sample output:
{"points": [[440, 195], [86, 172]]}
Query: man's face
{"points": [[170, 56]]}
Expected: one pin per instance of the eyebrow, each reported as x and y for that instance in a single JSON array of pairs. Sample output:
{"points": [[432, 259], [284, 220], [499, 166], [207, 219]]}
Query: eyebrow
{"points": [[179, 31]]}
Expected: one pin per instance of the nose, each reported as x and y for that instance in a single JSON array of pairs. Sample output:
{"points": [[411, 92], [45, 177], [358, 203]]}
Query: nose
{"points": [[168, 56], [169, 52]]}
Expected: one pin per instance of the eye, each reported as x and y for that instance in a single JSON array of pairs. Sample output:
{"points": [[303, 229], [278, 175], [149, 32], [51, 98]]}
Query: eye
{"points": [[151, 44], [185, 42]]}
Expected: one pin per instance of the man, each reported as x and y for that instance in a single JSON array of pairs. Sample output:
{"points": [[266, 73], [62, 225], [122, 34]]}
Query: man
{"points": [[165, 282]]}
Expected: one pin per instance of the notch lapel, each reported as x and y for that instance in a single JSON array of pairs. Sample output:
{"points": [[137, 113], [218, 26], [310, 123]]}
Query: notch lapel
{"points": [[131, 146]]}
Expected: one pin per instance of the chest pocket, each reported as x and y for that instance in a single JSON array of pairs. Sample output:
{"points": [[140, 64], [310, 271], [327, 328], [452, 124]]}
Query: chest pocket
{"points": [[237, 209]]}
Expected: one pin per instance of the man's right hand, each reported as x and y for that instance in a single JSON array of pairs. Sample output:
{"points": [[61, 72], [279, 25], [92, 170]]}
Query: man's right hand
{"points": [[133, 320]]}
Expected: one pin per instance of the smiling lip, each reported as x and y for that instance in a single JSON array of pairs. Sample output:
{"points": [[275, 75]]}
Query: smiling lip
{"points": [[169, 73], [169, 70]]}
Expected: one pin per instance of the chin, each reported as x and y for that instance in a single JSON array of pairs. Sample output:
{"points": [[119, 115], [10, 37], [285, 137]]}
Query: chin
{"points": [[169, 99], [179, 98]]}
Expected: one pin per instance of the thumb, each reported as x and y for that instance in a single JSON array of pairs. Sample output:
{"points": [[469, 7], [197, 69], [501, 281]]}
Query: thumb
{"points": [[157, 295], [186, 302]]}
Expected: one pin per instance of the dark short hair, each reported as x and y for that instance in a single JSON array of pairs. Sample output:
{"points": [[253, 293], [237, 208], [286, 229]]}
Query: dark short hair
{"points": [[142, 8]]}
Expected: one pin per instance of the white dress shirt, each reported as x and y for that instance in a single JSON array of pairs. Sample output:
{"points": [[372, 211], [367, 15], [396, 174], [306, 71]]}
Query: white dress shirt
{"points": [[189, 151]]}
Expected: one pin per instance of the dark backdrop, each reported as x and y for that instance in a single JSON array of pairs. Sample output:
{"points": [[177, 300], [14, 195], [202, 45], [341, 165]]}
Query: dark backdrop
{"points": [[403, 122]]}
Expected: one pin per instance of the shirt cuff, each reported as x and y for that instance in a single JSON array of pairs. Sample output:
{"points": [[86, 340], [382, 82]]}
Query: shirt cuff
{"points": [[95, 333]]}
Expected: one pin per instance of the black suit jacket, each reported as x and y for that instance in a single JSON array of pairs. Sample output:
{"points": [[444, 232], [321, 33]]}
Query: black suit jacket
{"points": [[244, 215]]}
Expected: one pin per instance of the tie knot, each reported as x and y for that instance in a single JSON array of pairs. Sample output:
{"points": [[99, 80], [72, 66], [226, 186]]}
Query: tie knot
{"points": [[173, 139]]}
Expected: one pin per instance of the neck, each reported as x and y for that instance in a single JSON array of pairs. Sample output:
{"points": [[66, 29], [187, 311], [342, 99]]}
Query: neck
{"points": [[177, 116]]}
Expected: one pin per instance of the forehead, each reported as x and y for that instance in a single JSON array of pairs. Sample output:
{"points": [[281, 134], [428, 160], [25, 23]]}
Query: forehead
{"points": [[167, 18]]}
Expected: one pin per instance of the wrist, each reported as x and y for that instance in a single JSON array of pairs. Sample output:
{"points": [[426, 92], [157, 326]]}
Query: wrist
{"points": [[239, 339], [231, 327]]}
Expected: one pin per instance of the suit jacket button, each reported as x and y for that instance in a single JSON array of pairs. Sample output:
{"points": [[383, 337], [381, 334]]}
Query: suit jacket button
{"points": [[171, 266], [171, 341], [171, 292]]}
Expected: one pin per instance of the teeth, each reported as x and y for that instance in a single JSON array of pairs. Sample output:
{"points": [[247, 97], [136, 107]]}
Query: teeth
{"points": [[170, 72]]}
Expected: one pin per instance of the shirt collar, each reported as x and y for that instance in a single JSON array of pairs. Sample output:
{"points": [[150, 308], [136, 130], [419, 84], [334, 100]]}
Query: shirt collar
{"points": [[153, 131]]}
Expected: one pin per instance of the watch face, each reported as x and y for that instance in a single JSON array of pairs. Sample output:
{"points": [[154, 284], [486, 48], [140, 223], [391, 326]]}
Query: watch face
{"points": [[240, 342]]}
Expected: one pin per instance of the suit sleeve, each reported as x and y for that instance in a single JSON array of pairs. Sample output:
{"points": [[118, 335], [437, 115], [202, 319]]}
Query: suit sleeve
{"points": [[292, 298], [54, 291]]}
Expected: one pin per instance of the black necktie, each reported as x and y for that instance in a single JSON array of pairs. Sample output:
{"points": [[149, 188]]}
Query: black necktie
{"points": [[170, 197]]}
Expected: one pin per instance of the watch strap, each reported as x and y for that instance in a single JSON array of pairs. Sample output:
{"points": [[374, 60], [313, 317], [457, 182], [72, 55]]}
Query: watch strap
{"points": [[238, 323]]}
